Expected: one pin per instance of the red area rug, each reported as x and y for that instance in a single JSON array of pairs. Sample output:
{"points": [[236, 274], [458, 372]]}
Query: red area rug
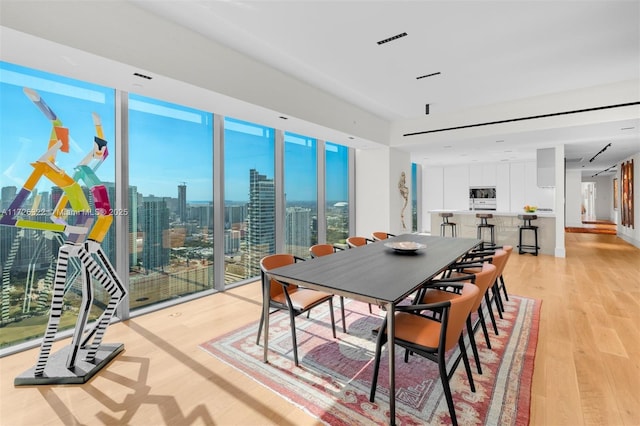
{"points": [[333, 380]]}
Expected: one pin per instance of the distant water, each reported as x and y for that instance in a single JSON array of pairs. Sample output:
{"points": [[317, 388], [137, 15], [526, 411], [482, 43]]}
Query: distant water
{"points": [[200, 202]]}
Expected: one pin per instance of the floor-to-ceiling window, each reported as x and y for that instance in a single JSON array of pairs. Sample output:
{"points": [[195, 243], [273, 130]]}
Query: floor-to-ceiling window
{"points": [[337, 192], [167, 232], [49, 130], [249, 193], [300, 192], [170, 201]]}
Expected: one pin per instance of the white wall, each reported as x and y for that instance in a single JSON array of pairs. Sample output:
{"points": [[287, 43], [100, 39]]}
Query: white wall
{"points": [[372, 190], [573, 198], [378, 199], [432, 193], [603, 204]]}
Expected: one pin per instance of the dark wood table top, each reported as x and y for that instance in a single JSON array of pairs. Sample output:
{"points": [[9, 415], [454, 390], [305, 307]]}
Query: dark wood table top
{"points": [[376, 273]]}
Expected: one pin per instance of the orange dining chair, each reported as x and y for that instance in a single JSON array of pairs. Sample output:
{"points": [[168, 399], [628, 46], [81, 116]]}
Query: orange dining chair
{"points": [[318, 250], [432, 338], [483, 279], [381, 235], [497, 256], [353, 242], [296, 300]]}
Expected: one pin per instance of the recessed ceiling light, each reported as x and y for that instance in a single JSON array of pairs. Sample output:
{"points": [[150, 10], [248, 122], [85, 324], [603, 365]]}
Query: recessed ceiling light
{"points": [[427, 75], [351, 137], [447, 146], [500, 141], [146, 77], [395, 37], [283, 117], [627, 128]]}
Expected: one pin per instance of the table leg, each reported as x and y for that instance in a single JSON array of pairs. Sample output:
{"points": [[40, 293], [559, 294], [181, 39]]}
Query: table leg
{"points": [[265, 315], [391, 331]]}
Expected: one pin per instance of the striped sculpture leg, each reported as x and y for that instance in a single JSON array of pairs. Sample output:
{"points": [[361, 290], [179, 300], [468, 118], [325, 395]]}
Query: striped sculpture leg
{"points": [[106, 275], [55, 313]]}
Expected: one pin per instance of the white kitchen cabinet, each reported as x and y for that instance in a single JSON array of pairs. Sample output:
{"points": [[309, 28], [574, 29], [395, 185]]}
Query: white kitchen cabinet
{"points": [[517, 186], [456, 187], [503, 188], [484, 175]]}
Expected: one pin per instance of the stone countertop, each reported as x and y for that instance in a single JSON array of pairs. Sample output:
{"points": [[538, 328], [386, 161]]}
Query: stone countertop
{"points": [[538, 213]]}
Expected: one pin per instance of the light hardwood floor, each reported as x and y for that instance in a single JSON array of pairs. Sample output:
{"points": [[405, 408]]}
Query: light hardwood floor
{"points": [[587, 368]]}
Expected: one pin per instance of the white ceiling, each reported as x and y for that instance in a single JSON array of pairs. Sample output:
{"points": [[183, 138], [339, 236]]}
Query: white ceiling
{"points": [[487, 52]]}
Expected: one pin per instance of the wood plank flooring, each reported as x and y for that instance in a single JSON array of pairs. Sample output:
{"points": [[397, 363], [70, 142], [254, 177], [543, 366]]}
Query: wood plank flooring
{"points": [[587, 369]]}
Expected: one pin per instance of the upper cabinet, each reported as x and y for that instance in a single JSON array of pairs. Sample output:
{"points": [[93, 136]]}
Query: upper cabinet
{"points": [[503, 187], [546, 167], [456, 188], [483, 174]]}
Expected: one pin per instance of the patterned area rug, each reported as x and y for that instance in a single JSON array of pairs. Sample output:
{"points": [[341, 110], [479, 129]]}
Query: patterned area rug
{"points": [[333, 380]]}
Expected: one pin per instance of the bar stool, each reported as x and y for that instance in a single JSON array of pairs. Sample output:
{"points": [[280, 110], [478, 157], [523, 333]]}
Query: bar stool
{"points": [[526, 225], [484, 224], [446, 224]]}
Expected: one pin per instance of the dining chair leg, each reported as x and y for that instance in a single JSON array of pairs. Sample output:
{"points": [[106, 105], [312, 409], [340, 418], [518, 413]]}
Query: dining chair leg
{"points": [[493, 319], [370, 310], [260, 329], [504, 288], [292, 321], [333, 319], [483, 324], [444, 378], [467, 364], [381, 340], [474, 348], [496, 299]]}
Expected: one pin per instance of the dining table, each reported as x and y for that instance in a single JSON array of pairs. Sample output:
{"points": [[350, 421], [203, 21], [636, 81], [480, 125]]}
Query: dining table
{"points": [[385, 272]]}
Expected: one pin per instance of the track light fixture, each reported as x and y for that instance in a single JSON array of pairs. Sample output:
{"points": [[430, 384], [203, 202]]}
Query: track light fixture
{"points": [[601, 151], [605, 170]]}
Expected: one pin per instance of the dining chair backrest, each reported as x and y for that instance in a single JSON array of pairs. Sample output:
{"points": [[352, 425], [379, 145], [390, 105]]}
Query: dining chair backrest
{"points": [[500, 260], [321, 250], [458, 313], [484, 279], [275, 261], [379, 235], [357, 241]]}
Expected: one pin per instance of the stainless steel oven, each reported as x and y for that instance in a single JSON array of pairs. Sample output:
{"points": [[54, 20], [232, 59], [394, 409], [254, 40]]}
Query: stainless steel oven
{"points": [[482, 198]]}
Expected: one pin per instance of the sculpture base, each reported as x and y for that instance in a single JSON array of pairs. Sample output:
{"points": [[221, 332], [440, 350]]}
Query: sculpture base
{"points": [[57, 373]]}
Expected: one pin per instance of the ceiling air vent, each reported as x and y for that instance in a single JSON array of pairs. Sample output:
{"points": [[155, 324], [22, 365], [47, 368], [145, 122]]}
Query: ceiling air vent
{"points": [[395, 37]]}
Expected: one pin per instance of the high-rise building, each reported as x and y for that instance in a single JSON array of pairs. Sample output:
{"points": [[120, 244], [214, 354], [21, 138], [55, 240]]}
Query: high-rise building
{"points": [[261, 235], [202, 215], [154, 221], [182, 202], [7, 195], [235, 215], [231, 241], [297, 238]]}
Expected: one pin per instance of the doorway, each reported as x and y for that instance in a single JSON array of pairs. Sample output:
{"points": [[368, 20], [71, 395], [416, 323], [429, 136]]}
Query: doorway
{"points": [[588, 208]]}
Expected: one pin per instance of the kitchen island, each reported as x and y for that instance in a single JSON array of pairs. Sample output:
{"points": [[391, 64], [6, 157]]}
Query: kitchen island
{"points": [[506, 227]]}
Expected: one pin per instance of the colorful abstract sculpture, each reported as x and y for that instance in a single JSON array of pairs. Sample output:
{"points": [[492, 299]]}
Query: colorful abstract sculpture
{"points": [[84, 229]]}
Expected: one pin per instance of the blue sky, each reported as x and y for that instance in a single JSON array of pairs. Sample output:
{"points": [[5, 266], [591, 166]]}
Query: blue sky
{"points": [[168, 144]]}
